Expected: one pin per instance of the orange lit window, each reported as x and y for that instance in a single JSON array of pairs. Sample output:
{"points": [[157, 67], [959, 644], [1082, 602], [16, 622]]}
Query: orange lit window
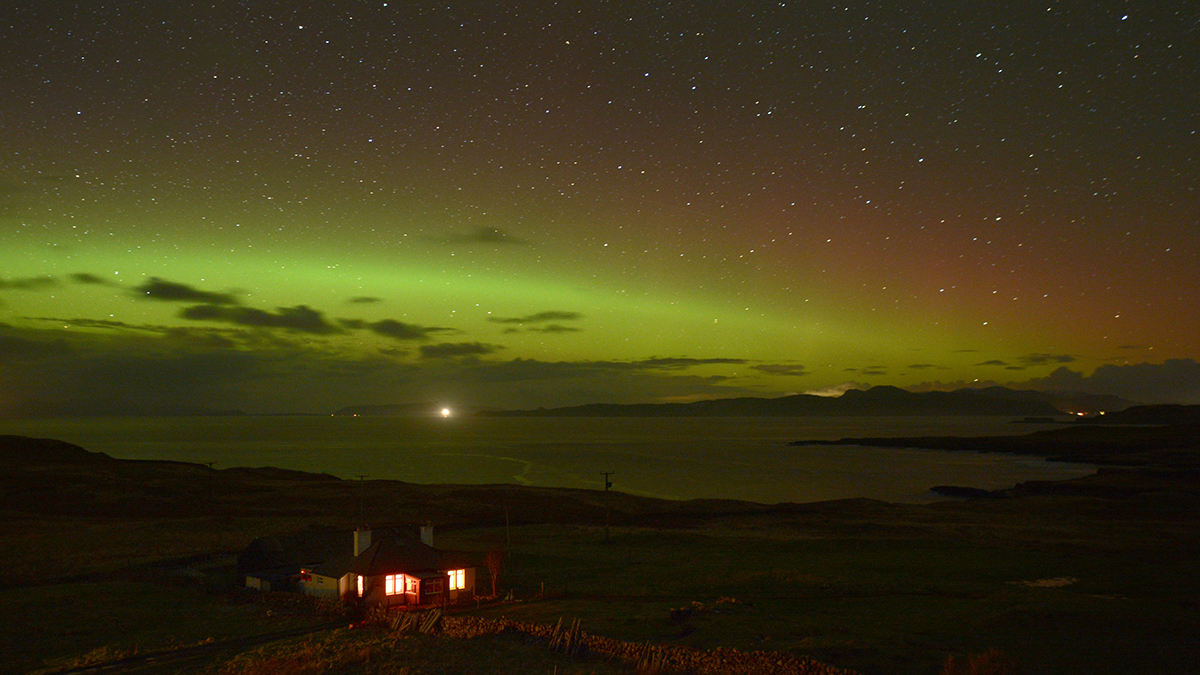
{"points": [[360, 587], [395, 584], [458, 579]]}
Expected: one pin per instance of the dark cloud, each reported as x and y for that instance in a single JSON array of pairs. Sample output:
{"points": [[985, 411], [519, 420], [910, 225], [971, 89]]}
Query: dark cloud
{"points": [[90, 279], [994, 362], [404, 331], [555, 328], [781, 369], [136, 370], [952, 385], [675, 363], [301, 318], [874, 372], [540, 317], [922, 366], [1044, 359], [364, 300], [532, 383], [1173, 381], [484, 235], [170, 291], [29, 283], [102, 323], [452, 349]]}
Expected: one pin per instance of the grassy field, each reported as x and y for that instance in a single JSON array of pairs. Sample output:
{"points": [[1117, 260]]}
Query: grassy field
{"points": [[1091, 576], [57, 626], [875, 605]]}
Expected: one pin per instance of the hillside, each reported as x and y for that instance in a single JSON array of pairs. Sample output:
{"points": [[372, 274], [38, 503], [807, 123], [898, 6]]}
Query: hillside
{"points": [[876, 401]]}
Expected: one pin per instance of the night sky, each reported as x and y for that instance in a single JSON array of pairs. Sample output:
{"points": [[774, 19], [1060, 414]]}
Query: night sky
{"points": [[296, 206]]}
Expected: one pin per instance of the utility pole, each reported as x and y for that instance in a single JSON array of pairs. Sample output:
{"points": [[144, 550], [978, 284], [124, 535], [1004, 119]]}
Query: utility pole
{"points": [[210, 482], [362, 518]]}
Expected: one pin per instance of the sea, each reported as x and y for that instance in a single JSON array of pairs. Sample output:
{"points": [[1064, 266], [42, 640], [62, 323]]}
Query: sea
{"points": [[746, 458]]}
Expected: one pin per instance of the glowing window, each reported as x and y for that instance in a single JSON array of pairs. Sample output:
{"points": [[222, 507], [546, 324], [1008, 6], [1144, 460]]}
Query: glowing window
{"points": [[360, 587], [458, 579], [389, 584], [410, 584]]}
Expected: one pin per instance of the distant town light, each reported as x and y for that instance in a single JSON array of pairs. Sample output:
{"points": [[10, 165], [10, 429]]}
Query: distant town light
{"points": [[445, 412]]}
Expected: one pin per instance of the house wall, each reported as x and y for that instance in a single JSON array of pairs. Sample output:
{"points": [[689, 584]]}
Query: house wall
{"points": [[320, 586], [257, 583], [468, 590], [375, 591], [348, 587]]}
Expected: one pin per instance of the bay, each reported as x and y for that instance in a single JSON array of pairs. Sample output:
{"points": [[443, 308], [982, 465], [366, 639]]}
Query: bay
{"points": [[675, 458]]}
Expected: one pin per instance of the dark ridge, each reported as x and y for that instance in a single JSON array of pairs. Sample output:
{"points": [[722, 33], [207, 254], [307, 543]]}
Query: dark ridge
{"points": [[24, 450], [1174, 446], [876, 401], [1149, 414]]}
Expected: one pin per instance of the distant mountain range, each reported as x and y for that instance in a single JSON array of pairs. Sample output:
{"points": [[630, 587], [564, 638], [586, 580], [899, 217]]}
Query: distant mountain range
{"points": [[876, 401], [1150, 415]]}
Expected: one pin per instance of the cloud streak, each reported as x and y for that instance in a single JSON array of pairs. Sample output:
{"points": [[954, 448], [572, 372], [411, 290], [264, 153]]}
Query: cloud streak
{"points": [[29, 283], [456, 349], [301, 318], [540, 317], [790, 370], [170, 291], [484, 235]]}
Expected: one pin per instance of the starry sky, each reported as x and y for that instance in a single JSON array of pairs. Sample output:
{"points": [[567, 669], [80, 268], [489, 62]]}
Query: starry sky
{"points": [[296, 206]]}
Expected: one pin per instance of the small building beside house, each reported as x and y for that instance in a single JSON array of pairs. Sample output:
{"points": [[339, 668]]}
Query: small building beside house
{"points": [[332, 578]]}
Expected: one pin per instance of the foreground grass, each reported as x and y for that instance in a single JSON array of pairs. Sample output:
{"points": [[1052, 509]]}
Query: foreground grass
{"points": [[874, 605], [374, 651], [63, 625], [880, 605]]}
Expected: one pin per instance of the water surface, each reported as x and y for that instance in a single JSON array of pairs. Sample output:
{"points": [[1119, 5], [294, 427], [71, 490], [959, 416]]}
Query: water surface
{"points": [[677, 458]]}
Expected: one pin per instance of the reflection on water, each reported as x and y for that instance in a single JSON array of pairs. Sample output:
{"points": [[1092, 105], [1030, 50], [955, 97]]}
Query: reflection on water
{"points": [[679, 458]]}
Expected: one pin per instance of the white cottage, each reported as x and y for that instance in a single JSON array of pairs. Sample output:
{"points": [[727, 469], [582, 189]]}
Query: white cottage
{"points": [[396, 572]]}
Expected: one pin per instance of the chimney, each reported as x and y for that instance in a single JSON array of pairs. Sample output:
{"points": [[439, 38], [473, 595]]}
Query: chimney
{"points": [[427, 534], [362, 541]]}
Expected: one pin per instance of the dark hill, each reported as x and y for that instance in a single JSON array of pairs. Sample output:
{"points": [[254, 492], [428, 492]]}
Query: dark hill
{"points": [[21, 450], [876, 401], [1150, 414]]}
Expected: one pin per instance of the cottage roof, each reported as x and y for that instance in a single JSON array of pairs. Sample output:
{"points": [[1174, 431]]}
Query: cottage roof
{"points": [[326, 547], [394, 555]]}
